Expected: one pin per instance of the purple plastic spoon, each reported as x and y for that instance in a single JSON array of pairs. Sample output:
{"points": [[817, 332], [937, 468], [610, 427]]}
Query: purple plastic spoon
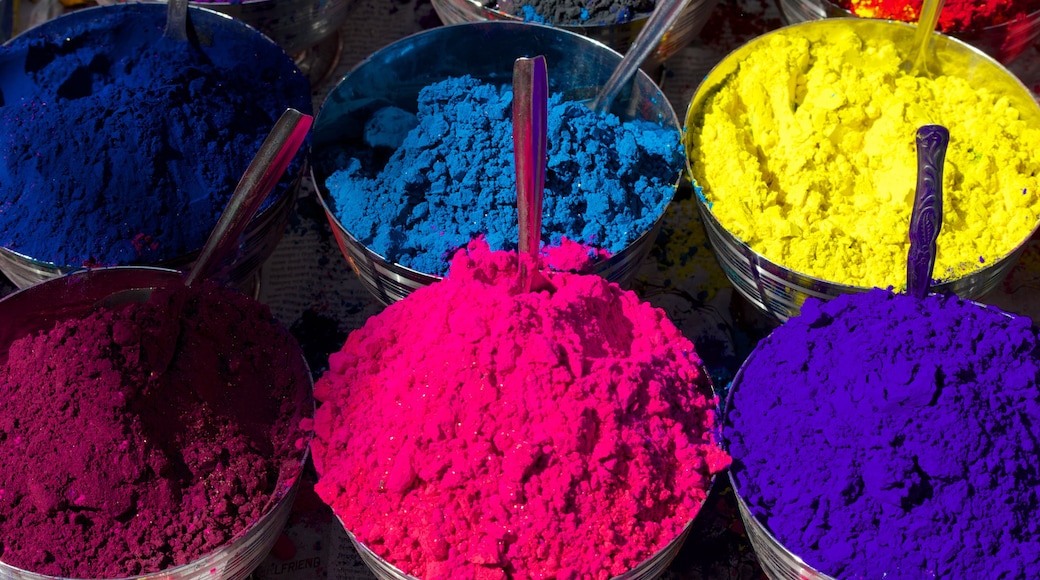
{"points": [[926, 217]]}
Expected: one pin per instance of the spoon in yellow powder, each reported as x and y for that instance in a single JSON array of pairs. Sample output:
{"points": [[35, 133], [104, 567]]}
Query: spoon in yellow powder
{"points": [[926, 216], [923, 37]]}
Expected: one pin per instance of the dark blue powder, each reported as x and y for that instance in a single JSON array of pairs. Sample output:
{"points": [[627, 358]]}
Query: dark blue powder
{"points": [[120, 146], [453, 178]]}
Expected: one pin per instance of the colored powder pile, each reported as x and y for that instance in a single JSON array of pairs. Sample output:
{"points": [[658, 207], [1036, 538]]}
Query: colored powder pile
{"points": [[579, 12], [956, 15], [453, 178], [121, 146], [806, 153], [118, 465], [909, 455], [475, 430]]}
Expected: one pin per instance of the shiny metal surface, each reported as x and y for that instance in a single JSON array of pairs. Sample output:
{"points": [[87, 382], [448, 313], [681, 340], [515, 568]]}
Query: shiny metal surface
{"points": [[779, 291], [394, 75], [296, 25], [39, 307], [617, 36], [650, 569], [1004, 42]]}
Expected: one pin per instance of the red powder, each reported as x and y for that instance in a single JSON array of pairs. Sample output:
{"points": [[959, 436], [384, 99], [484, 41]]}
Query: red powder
{"points": [[474, 430], [115, 467], [956, 15]]}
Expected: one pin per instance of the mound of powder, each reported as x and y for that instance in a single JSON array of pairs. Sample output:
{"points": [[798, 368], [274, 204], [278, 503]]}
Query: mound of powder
{"points": [[121, 146], [474, 430], [807, 138], [580, 12], [956, 15], [122, 462], [878, 436], [453, 178]]}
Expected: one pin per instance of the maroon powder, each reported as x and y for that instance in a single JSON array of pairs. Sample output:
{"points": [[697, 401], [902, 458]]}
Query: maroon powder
{"points": [[119, 461]]}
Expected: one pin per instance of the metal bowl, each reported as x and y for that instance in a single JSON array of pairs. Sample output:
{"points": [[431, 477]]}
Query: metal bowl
{"points": [[264, 230], [1004, 42], [618, 36], [484, 50], [650, 569], [780, 291], [41, 306], [295, 25], [777, 562]]}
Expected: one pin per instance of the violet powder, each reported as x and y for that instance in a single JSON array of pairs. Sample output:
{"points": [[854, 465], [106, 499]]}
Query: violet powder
{"points": [[878, 436]]}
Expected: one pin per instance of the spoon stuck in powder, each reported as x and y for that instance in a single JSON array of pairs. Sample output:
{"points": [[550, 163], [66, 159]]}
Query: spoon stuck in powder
{"points": [[926, 217], [530, 122]]}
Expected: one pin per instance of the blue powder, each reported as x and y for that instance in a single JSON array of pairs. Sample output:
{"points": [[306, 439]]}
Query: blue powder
{"points": [[120, 146], [453, 178]]}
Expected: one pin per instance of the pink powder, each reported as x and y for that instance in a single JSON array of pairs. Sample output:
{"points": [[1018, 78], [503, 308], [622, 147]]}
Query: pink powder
{"points": [[115, 465], [571, 256], [476, 431]]}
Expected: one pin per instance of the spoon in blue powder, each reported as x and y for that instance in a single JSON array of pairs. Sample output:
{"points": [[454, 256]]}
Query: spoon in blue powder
{"points": [[926, 216], [176, 20], [530, 127], [259, 179], [660, 20]]}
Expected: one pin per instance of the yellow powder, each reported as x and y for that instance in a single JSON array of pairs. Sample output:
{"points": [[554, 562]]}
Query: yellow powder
{"points": [[807, 154]]}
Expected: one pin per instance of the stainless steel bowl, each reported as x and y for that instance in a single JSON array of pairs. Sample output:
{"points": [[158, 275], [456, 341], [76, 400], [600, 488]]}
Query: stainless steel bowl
{"points": [[484, 50], [41, 306], [264, 230], [780, 291], [617, 36], [650, 569], [1004, 42], [295, 25]]}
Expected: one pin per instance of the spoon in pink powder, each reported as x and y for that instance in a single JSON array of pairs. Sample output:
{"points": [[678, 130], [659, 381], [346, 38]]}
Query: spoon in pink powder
{"points": [[530, 126], [926, 216]]}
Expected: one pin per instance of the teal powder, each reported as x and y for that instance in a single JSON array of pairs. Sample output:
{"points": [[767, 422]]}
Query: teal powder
{"points": [[453, 178], [120, 146], [878, 436]]}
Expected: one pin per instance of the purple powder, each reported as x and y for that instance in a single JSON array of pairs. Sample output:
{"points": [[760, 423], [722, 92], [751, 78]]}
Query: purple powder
{"points": [[117, 465], [878, 436]]}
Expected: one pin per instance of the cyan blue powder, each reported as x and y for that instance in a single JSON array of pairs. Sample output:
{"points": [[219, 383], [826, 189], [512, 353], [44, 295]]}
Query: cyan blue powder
{"points": [[120, 146], [453, 178], [581, 12]]}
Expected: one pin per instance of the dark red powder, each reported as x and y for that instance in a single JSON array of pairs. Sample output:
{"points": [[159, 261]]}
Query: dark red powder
{"points": [[956, 15], [115, 465]]}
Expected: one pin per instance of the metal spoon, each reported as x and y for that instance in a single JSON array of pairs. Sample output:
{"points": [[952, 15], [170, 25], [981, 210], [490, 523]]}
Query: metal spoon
{"points": [[530, 125], [926, 217], [660, 20], [259, 179], [176, 20], [923, 36]]}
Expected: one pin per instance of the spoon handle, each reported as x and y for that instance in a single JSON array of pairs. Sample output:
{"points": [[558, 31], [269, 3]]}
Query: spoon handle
{"points": [[661, 19], [176, 20], [926, 217], [530, 117], [923, 35], [259, 179]]}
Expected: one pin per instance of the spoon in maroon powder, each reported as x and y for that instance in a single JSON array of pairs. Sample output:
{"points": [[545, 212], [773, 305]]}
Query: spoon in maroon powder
{"points": [[530, 126]]}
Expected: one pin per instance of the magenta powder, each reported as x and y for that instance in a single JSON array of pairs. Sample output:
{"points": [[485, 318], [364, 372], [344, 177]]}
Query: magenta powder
{"points": [[879, 436], [474, 430], [115, 466]]}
